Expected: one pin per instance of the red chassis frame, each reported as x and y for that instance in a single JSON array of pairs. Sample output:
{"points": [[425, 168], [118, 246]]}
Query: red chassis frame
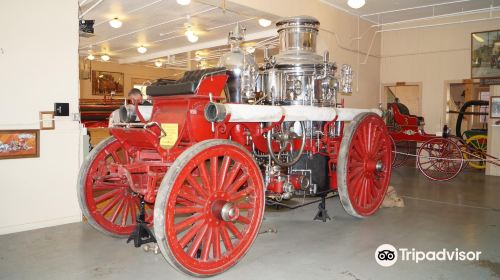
{"points": [[187, 111]]}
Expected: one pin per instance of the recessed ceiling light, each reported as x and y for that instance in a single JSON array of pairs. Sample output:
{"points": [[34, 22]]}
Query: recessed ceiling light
{"points": [[264, 22], [158, 63], [90, 57], [193, 38], [115, 23], [105, 57], [183, 2], [356, 4], [142, 49]]}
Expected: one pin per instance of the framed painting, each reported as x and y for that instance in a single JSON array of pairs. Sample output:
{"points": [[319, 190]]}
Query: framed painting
{"points": [[107, 83], [47, 120], [495, 107], [23, 143], [485, 54]]}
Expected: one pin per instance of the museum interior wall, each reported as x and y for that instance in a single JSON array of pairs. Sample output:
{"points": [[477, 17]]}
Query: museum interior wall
{"points": [[338, 33], [432, 56], [38, 68]]}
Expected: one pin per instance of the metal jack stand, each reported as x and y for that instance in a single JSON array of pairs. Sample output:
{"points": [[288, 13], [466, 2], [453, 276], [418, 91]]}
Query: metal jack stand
{"points": [[141, 234], [322, 213]]}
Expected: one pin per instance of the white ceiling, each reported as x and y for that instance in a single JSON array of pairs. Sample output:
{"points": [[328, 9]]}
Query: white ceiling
{"points": [[387, 11], [159, 25]]}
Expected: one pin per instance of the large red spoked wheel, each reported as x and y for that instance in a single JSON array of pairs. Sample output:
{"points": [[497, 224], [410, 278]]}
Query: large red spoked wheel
{"points": [[106, 200], [209, 207], [364, 165], [440, 159]]}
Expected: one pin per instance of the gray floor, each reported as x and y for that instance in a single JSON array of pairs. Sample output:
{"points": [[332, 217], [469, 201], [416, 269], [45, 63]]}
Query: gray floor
{"points": [[463, 213]]}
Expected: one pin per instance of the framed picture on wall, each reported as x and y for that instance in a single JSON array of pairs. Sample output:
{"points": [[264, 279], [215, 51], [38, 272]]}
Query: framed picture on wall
{"points": [[19, 143], [495, 107], [485, 54], [107, 83]]}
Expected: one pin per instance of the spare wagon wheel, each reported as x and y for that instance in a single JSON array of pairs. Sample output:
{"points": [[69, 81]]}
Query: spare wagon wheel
{"points": [[106, 199], [209, 207], [364, 165]]}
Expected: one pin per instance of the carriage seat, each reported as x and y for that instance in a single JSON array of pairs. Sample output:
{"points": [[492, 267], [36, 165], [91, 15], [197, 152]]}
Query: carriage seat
{"points": [[185, 85], [403, 110]]}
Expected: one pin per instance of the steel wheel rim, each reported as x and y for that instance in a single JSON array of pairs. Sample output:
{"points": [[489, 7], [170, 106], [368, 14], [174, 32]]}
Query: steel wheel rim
{"points": [[366, 184], [192, 240], [440, 169], [111, 203]]}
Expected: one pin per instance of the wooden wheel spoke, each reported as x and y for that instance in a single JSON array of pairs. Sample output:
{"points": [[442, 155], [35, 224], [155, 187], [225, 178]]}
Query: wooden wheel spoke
{"points": [[205, 177], [245, 205], [187, 209], [216, 243], [106, 196], [187, 222], [238, 183], [223, 172], [226, 239], [125, 213], [243, 220], [196, 186], [241, 194], [207, 243], [234, 230], [117, 211], [110, 205], [101, 186], [193, 249], [231, 176], [190, 234], [213, 173], [133, 212], [191, 197]]}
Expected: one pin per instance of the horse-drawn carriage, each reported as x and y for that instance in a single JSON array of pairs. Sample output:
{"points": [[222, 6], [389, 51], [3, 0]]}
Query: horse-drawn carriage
{"points": [[199, 166], [440, 157]]}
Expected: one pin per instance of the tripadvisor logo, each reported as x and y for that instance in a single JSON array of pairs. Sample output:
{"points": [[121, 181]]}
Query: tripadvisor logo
{"points": [[387, 255]]}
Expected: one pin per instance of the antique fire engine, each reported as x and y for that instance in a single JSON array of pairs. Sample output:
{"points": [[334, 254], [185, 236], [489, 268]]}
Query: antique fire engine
{"points": [[193, 172]]}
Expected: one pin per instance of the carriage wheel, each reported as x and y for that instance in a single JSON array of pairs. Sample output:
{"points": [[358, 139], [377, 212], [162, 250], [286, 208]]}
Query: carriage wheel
{"points": [[107, 201], [440, 159], [463, 148], [209, 207], [476, 150], [403, 147], [364, 165]]}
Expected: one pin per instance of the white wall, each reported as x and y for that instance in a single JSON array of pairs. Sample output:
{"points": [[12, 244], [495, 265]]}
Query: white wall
{"points": [[39, 66], [432, 56]]}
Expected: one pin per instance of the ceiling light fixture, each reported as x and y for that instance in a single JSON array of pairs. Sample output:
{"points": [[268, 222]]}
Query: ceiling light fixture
{"points": [[90, 57], [105, 57], [193, 38], [250, 50], [478, 38], [142, 49], [115, 23], [183, 2], [264, 22], [158, 63], [356, 4]]}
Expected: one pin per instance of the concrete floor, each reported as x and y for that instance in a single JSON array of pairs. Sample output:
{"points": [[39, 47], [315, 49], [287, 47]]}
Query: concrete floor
{"points": [[463, 213]]}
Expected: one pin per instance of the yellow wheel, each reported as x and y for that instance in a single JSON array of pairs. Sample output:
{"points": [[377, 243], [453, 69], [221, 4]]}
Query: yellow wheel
{"points": [[476, 151]]}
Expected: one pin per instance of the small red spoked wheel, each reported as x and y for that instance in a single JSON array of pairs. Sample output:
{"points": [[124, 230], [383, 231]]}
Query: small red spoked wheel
{"points": [[209, 207], [440, 159], [364, 165], [106, 200], [401, 150]]}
